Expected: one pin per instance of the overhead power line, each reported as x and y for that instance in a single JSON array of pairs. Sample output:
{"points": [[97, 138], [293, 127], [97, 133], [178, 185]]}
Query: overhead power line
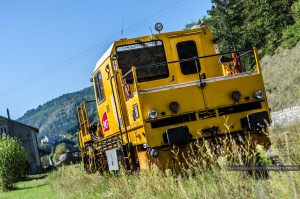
{"points": [[95, 48]]}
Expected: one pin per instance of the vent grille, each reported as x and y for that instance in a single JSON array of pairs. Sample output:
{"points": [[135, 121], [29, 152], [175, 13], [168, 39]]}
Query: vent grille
{"points": [[174, 120], [207, 114], [239, 108]]}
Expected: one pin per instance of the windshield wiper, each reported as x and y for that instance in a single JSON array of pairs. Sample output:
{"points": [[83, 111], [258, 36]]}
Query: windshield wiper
{"points": [[145, 46], [142, 43]]}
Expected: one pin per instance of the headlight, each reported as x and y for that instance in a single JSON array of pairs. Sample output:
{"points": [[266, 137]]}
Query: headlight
{"points": [[258, 95], [158, 27], [152, 114]]}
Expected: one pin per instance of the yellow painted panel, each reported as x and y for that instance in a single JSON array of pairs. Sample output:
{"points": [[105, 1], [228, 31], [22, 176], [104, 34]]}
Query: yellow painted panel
{"points": [[143, 160], [190, 98], [218, 93]]}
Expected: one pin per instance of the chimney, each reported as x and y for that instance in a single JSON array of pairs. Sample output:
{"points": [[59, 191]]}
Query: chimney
{"points": [[10, 127], [8, 116]]}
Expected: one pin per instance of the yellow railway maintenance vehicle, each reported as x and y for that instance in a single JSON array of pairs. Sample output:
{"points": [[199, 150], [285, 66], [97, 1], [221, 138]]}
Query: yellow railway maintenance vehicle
{"points": [[167, 90]]}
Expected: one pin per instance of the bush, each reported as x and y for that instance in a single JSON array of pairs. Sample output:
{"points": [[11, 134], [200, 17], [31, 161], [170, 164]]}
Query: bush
{"points": [[60, 149], [13, 161], [291, 35]]}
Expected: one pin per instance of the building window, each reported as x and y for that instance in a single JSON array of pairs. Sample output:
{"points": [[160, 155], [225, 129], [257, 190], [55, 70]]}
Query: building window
{"points": [[99, 88], [3, 129], [186, 50]]}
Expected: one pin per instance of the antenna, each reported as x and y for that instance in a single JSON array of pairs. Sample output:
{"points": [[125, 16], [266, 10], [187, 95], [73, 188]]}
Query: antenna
{"points": [[122, 30], [151, 33], [151, 30]]}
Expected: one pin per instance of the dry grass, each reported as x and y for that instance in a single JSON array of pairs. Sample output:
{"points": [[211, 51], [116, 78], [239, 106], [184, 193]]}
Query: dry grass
{"points": [[282, 78], [198, 180]]}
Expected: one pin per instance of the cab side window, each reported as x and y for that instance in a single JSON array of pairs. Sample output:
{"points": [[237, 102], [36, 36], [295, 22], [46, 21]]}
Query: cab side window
{"points": [[99, 87], [185, 50]]}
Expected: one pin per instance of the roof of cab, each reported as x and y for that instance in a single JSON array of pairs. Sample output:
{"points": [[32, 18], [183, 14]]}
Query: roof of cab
{"points": [[104, 57]]}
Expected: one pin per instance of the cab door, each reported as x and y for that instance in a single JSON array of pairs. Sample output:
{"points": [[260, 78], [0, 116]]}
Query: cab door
{"points": [[189, 71], [183, 48]]}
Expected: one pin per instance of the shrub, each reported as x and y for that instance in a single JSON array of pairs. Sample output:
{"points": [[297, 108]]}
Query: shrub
{"points": [[13, 161], [291, 35], [60, 149]]}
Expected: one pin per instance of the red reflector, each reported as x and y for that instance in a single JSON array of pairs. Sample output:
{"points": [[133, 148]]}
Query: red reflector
{"points": [[174, 107]]}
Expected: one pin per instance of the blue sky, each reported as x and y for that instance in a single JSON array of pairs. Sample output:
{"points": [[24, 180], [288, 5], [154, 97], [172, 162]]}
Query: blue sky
{"points": [[49, 48]]}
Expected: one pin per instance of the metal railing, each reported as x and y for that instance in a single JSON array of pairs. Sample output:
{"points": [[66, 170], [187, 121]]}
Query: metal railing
{"points": [[241, 52]]}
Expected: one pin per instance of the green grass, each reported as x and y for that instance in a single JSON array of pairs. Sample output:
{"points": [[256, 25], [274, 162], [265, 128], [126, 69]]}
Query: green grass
{"points": [[214, 182], [33, 186]]}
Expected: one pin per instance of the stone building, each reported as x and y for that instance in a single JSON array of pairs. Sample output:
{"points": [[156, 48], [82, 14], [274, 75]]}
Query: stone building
{"points": [[27, 135]]}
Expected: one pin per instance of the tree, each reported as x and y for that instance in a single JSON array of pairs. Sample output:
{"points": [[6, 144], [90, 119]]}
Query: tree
{"points": [[226, 18], [264, 22], [291, 35], [46, 148], [13, 161], [241, 23]]}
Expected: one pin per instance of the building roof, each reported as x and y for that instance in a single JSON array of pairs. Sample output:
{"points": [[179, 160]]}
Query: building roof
{"points": [[21, 124]]}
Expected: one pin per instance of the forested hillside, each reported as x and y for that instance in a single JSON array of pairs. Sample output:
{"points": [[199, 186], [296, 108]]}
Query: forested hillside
{"points": [[58, 116]]}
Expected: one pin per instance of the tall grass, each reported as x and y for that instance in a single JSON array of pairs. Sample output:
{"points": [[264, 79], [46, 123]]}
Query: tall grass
{"points": [[282, 77], [198, 180]]}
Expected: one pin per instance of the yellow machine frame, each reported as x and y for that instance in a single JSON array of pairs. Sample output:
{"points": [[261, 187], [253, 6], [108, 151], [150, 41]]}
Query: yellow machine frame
{"points": [[140, 118]]}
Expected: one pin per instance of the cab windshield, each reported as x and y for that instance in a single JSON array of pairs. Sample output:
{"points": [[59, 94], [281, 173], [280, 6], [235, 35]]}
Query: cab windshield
{"points": [[148, 57]]}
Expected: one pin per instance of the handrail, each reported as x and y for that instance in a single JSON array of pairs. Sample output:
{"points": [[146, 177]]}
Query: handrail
{"points": [[190, 59], [135, 79], [134, 69], [130, 71], [256, 59]]}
